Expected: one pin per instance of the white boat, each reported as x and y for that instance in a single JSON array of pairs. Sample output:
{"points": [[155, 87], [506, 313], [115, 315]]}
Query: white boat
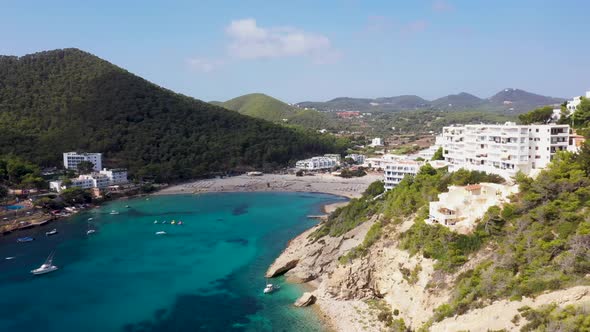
{"points": [[270, 288], [155, 221], [89, 219], [114, 212], [90, 231], [9, 258], [45, 267], [51, 232], [160, 233]]}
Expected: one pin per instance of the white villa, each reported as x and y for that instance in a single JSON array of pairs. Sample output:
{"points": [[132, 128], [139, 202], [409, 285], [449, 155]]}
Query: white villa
{"points": [[72, 159], [377, 141], [573, 104], [503, 149], [461, 207]]}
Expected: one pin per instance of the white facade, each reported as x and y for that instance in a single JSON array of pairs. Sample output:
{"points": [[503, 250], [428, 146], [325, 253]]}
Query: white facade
{"points": [[377, 141], [55, 185], [396, 170], [335, 157], [72, 159], [316, 163], [573, 104], [358, 158], [503, 149], [115, 176], [461, 207]]}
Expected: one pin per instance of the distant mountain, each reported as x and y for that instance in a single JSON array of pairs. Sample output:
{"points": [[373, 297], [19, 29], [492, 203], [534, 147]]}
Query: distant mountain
{"points": [[521, 100], [64, 100], [513, 101], [459, 101], [265, 107]]}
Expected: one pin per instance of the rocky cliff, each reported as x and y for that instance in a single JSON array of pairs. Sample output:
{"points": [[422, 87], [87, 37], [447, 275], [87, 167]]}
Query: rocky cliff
{"points": [[354, 296]]}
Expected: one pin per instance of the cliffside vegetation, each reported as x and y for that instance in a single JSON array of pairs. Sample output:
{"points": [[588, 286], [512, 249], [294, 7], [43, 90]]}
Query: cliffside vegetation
{"points": [[541, 242], [64, 100]]}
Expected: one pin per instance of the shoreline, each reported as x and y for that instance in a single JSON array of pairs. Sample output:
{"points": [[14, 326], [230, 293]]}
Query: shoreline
{"points": [[319, 183]]}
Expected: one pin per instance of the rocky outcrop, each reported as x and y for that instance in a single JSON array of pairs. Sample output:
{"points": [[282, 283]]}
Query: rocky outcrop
{"points": [[305, 300], [281, 268], [305, 260]]}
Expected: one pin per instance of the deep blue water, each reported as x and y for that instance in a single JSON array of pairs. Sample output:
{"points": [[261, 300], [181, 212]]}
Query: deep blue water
{"points": [[204, 275]]}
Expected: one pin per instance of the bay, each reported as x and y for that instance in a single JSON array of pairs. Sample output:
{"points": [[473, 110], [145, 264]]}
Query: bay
{"points": [[204, 275]]}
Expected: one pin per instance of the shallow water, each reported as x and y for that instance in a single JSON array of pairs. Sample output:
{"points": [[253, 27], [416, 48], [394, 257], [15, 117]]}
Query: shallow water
{"points": [[204, 275]]}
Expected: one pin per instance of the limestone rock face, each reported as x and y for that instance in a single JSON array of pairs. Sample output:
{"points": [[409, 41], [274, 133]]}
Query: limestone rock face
{"points": [[305, 300], [281, 267]]}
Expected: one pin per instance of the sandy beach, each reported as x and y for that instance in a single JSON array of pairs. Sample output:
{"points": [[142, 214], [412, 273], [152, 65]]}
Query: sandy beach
{"points": [[321, 183]]}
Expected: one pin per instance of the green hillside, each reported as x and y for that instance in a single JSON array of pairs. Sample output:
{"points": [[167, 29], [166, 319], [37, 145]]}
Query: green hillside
{"points": [[64, 100], [265, 107]]}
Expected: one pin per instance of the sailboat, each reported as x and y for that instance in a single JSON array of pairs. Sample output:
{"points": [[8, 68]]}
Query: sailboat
{"points": [[45, 267]]}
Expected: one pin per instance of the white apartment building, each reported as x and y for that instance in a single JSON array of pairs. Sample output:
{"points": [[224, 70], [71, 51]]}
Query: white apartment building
{"points": [[396, 170], [316, 163], [359, 159], [116, 175], [336, 157], [503, 149], [85, 181], [72, 159]]}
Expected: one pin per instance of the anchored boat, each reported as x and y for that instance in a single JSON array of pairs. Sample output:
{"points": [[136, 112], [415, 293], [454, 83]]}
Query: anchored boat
{"points": [[45, 267]]}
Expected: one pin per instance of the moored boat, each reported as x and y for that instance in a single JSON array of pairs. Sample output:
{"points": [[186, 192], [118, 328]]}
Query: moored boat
{"points": [[114, 212], [25, 239], [51, 232], [160, 233], [45, 267], [270, 288]]}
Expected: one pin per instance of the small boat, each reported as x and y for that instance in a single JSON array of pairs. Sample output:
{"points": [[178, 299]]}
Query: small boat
{"points": [[172, 222], [90, 231], [89, 219], [25, 239], [270, 288], [127, 206], [180, 222], [160, 233], [114, 212], [45, 267], [163, 222], [51, 232], [155, 221], [9, 258]]}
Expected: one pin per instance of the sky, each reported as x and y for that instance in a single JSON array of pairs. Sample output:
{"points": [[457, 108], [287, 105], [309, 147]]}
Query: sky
{"points": [[302, 50]]}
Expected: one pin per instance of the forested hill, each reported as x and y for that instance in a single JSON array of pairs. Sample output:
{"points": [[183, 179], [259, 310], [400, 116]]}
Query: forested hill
{"points": [[64, 100], [265, 107]]}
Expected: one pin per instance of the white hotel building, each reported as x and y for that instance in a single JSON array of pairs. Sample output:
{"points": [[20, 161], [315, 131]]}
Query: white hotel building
{"points": [[72, 159], [503, 149], [316, 163], [396, 170]]}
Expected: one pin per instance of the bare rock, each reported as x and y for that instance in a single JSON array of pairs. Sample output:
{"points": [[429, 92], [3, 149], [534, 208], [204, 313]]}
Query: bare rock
{"points": [[305, 300], [279, 268]]}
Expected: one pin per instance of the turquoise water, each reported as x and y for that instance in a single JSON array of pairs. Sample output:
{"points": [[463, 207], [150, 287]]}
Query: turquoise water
{"points": [[204, 275], [14, 207]]}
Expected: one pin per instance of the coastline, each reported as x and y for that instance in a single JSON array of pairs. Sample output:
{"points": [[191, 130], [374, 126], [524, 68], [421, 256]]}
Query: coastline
{"points": [[320, 183]]}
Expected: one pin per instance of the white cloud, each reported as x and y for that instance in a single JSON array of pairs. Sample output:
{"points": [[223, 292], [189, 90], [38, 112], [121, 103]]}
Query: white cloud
{"points": [[250, 41], [204, 65]]}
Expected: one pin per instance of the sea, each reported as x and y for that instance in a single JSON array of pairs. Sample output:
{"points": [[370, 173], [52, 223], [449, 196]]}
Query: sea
{"points": [[206, 274]]}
